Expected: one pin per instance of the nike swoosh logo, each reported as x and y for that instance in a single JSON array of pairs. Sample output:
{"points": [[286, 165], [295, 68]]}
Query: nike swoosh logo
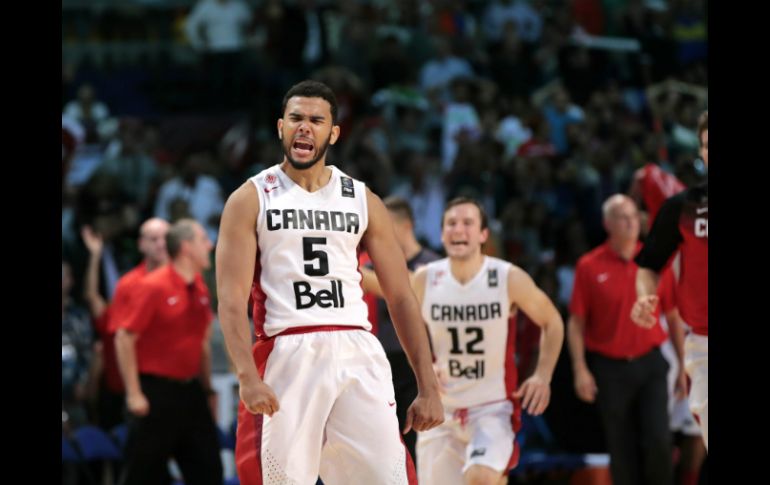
{"points": [[172, 300], [267, 191], [603, 277], [391, 404], [701, 210]]}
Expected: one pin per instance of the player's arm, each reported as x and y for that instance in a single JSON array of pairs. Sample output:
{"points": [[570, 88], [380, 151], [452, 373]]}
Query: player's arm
{"points": [[676, 333], [426, 411], [371, 284], [236, 255], [535, 392], [96, 303], [584, 382], [132, 324], [663, 240], [418, 284], [369, 281]]}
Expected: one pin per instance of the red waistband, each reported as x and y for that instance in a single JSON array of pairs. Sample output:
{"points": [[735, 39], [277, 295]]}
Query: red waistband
{"points": [[701, 332], [311, 328]]}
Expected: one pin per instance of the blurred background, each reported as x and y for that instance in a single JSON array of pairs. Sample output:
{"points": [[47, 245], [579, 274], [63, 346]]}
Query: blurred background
{"points": [[539, 108]]}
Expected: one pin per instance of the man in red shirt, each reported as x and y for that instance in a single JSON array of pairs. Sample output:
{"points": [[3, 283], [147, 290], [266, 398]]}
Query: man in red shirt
{"points": [[617, 363], [164, 358], [152, 245], [682, 224]]}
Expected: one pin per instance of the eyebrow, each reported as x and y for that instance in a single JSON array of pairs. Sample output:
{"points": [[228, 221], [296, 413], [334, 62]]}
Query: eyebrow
{"points": [[312, 117]]}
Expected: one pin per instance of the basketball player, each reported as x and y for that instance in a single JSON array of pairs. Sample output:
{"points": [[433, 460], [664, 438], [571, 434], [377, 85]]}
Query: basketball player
{"points": [[316, 390], [682, 224], [466, 300]]}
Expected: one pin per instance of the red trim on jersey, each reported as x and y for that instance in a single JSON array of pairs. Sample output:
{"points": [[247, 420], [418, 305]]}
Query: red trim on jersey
{"points": [[315, 328], [258, 298], [248, 437], [511, 382], [369, 298]]}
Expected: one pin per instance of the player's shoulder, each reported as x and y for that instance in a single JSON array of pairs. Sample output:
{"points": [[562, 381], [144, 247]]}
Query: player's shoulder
{"points": [[267, 177], [440, 263], [246, 197], [514, 273], [495, 261], [351, 185]]}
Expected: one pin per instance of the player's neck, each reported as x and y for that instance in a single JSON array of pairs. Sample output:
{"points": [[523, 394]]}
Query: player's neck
{"points": [[311, 179], [465, 269]]}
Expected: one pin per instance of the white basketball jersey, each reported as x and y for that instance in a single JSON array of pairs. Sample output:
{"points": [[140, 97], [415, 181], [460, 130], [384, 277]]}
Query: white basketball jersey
{"points": [[307, 266], [470, 334]]}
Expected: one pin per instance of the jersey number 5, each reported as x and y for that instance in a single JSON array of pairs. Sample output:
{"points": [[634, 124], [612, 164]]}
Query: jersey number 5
{"points": [[310, 254]]}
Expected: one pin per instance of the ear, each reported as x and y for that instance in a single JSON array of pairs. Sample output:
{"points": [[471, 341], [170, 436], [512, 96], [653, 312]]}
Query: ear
{"points": [[484, 235], [280, 128], [334, 135]]}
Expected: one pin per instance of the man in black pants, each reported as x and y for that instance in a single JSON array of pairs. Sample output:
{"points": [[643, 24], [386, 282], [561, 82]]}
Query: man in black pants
{"points": [[617, 363], [164, 358], [404, 382]]}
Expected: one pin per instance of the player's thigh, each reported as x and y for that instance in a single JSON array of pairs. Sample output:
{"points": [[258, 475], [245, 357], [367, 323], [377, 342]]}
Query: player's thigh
{"points": [[363, 441], [440, 455], [482, 475], [492, 437], [286, 447]]}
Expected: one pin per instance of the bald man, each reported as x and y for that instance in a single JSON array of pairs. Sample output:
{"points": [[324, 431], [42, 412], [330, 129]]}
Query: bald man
{"points": [[616, 363], [152, 245]]}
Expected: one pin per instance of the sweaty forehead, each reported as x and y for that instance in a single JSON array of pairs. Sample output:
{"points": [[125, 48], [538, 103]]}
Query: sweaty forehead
{"points": [[309, 106]]}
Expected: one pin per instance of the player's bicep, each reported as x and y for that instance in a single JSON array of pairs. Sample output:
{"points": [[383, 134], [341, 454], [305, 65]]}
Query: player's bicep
{"points": [[236, 250], [524, 293], [387, 257]]}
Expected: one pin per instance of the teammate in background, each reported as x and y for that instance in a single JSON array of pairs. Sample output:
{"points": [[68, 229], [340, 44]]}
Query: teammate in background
{"points": [[466, 300], [165, 360], [316, 390], [682, 224], [152, 245], [692, 451]]}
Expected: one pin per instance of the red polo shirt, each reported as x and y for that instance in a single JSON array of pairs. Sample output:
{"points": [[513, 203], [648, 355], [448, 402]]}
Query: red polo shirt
{"points": [[106, 325], [170, 319], [120, 304], [603, 294]]}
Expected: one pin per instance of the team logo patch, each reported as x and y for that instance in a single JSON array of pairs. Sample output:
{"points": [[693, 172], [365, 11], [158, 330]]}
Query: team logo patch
{"points": [[478, 452], [270, 179], [347, 187], [492, 278], [437, 277]]}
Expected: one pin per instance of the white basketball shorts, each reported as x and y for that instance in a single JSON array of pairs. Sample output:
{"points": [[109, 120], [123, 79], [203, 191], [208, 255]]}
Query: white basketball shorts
{"points": [[481, 435], [337, 415]]}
